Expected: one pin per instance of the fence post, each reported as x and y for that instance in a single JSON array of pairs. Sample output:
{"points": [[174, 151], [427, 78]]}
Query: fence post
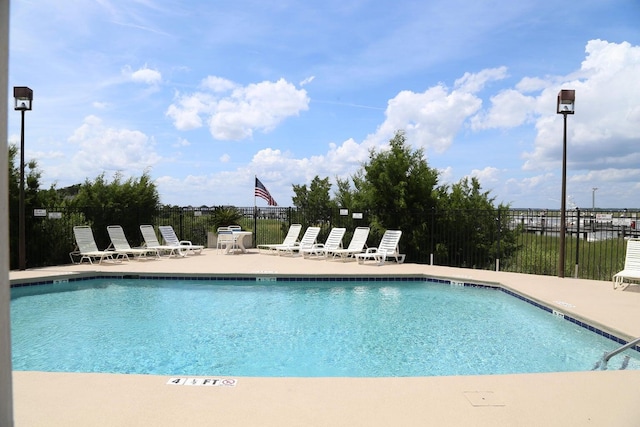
{"points": [[255, 224], [433, 216], [499, 235], [182, 221], [577, 242]]}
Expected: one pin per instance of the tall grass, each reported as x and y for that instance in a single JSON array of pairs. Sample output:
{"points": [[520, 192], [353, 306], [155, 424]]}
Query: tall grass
{"points": [[539, 254], [269, 231]]}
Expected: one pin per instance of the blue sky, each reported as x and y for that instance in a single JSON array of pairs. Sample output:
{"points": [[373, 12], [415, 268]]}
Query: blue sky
{"points": [[203, 95]]}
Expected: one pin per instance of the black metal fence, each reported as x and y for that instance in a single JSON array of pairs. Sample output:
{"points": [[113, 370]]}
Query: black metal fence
{"points": [[521, 240]]}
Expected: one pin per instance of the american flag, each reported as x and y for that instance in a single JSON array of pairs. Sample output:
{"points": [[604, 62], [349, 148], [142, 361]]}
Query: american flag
{"points": [[262, 192]]}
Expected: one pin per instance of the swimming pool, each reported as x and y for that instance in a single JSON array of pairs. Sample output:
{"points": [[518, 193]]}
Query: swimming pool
{"points": [[308, 329]]}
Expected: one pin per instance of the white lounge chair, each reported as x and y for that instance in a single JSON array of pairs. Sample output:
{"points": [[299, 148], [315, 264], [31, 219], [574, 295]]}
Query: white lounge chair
{"points": [[171, 239], [309, 239], [120, 245], [356, 246], [86, 246], [631, 271], [333, 242], [151, 241], [290, 239], [388, 248]]}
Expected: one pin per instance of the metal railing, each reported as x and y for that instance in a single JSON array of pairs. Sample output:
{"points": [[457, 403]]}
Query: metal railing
{"points": [[518, 240], [620, 349]]}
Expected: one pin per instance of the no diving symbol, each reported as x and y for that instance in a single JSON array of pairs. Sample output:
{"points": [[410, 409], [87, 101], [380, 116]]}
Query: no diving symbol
{"points": [[209, 382]]}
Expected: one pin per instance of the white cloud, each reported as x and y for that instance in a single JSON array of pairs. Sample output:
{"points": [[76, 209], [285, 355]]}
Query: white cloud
{"points": [[509, 108], [277, 169], [342, 160], [217, 84], [533, 182], [307, 81], [611, 176], [225, 158], [235, 112], [272, 159], [486, 176], [186, 110], [431, 119], [259, 106], [445, 175], [531, 84], [604, 130], [475, 82], [100, 148], [143, 75]]}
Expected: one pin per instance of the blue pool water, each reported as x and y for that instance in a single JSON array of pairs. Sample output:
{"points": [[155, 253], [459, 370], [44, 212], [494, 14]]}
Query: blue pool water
{"points": [[307, 329]]}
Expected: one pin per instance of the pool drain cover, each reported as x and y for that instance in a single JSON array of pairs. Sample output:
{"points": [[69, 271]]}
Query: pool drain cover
{"points": [[483, 398]]}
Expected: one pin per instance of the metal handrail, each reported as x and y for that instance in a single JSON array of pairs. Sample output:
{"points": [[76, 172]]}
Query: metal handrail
{"points": [[630, 344]]}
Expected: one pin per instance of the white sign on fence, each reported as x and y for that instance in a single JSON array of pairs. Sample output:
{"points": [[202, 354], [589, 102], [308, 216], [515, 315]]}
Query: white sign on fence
{"points": [[621, 221]]}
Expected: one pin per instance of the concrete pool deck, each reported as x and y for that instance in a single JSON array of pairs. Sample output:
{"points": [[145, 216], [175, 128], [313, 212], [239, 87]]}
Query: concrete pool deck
{"points": [[602, 398]]}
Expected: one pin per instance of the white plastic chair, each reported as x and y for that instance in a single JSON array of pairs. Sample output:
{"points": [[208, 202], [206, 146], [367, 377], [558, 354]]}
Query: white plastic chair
{"points": [[226, 240], [333, 242], [388, 248]]}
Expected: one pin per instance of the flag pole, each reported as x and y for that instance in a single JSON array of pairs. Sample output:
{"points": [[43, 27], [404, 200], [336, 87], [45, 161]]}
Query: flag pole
{"points": [[255, 211]]}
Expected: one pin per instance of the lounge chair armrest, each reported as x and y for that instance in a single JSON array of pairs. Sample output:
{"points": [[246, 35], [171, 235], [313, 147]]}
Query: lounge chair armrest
{"points": [[186, 242]]}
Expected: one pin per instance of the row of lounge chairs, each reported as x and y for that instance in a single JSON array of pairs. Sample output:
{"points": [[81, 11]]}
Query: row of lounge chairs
{"points": [[332, 248], [119, 249]]}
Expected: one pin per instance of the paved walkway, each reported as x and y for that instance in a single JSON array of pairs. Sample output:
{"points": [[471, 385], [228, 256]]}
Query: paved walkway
{"points": [[602, 398]]}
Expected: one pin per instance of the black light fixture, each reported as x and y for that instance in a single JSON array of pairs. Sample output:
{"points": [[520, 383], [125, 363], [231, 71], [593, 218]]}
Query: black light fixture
{"points": [[566, 105], [23, 102], [23, 97], [566, 101]]}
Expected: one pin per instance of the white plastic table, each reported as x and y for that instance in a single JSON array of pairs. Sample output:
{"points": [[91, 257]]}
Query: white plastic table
{"points": [[239, 240]]}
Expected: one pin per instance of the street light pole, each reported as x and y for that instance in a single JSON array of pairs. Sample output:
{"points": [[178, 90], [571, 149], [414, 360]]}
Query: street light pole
{"points": [[566, 101], [22, 248], [23, 97], [563, 201], [593, 199]]}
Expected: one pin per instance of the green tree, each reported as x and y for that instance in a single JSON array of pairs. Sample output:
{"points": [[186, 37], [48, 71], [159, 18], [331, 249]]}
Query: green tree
{"points": [[398, 186], [350, 193], [471, 224], [344, 196], [128, 203], [315, 201], [42, 236]]}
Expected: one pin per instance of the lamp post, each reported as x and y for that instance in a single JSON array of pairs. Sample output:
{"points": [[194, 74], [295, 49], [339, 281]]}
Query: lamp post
{"points": [[566, 104], [23, 99], [593, 199]]}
